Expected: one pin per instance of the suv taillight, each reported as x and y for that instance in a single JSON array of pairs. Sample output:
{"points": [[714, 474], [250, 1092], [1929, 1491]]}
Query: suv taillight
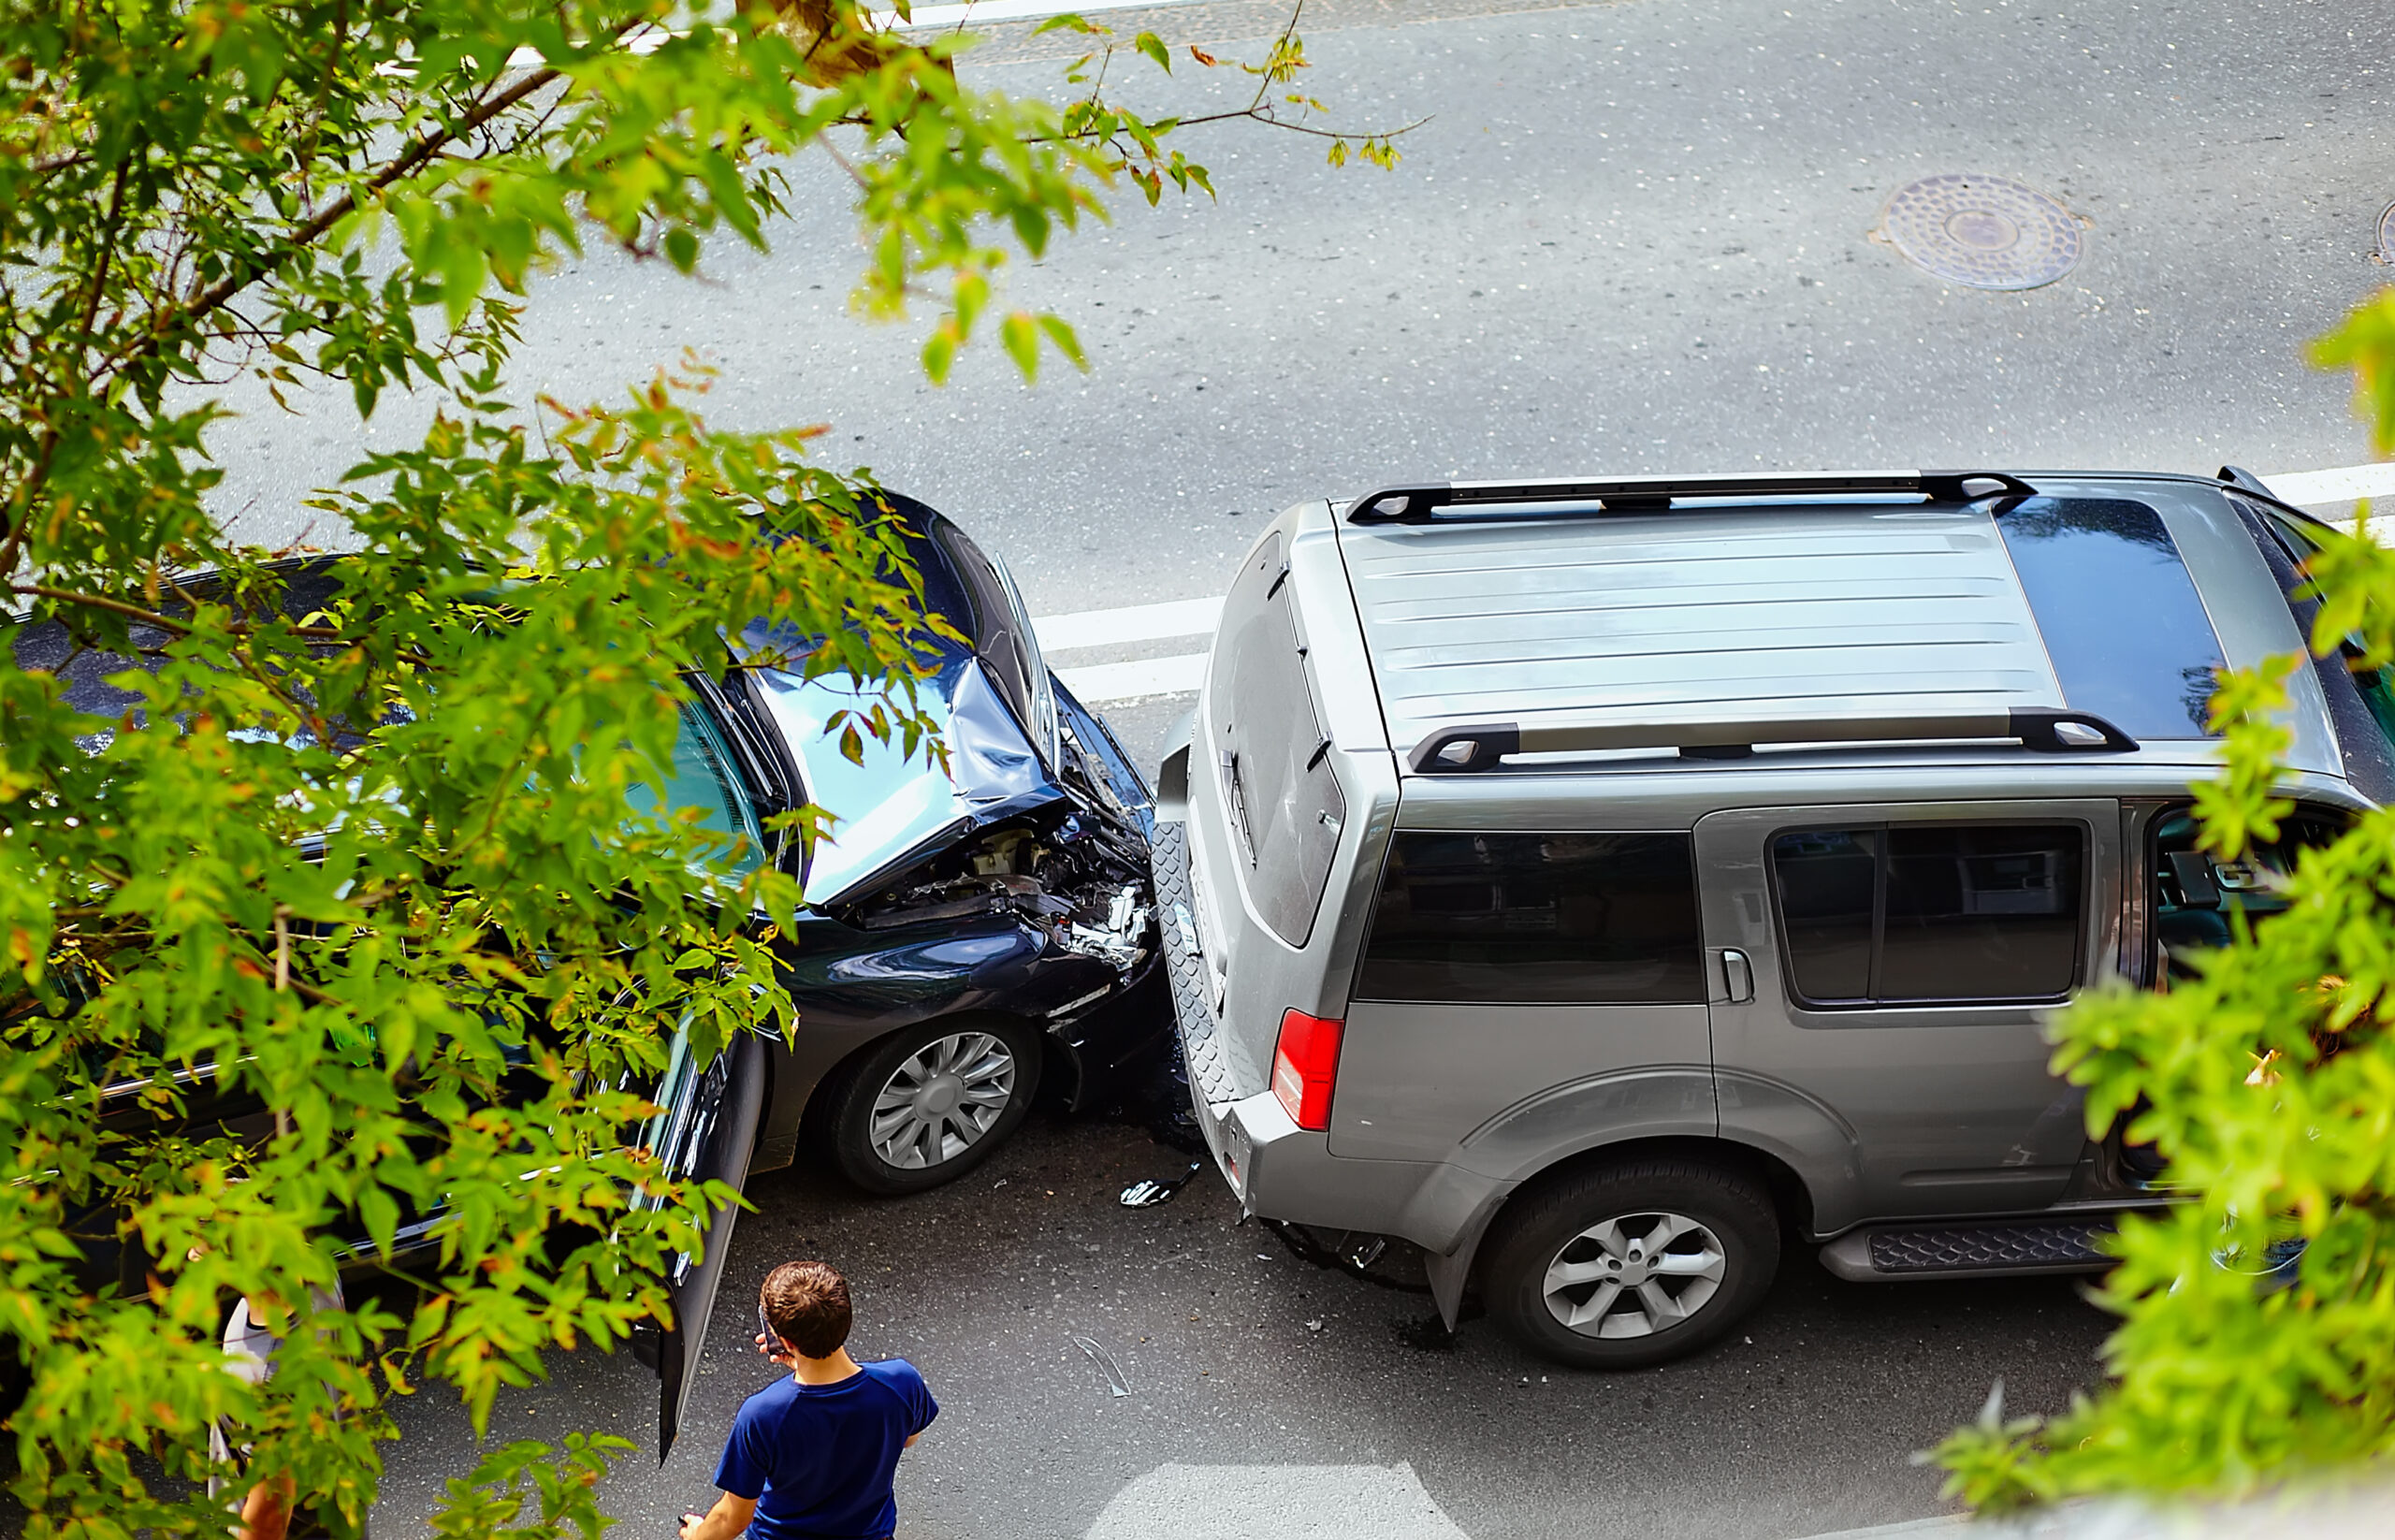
{"points": [[1305, 1063]]}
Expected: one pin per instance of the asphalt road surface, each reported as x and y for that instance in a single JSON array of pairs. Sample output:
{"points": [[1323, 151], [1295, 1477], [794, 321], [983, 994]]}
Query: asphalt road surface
{"points": [[1628, 237], [1270, 1400]]}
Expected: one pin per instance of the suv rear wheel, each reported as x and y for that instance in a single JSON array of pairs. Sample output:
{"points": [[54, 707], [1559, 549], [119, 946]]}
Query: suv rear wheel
{"points": [[927, 1106], [1620, 1266]]}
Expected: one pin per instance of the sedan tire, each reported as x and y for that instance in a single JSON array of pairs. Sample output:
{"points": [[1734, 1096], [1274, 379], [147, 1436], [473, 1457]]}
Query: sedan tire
{"points": [[930, 1103], [1620, 1266]]}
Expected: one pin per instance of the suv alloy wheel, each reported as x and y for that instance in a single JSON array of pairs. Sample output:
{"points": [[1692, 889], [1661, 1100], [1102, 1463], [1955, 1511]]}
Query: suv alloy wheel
{"points": [[1622, 1266]]}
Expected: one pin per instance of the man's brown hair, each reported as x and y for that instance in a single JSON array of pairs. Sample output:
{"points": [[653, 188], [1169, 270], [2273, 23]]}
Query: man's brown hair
{"points": [[806, 1303]]}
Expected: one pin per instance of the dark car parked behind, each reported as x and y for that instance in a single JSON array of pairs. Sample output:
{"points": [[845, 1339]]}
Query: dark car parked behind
{"points": [[973, 936]]}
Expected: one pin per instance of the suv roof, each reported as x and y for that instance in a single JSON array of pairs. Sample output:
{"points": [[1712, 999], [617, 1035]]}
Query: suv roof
{"points": [[1710, 613]]}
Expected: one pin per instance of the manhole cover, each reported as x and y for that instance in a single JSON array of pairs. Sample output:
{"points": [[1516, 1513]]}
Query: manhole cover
{"points": [[2386, 251], [1988, 232]]}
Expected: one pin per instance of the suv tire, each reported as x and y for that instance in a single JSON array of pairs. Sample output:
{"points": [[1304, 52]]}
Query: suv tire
{"points": [[1622, 1266], [930, 1103]]}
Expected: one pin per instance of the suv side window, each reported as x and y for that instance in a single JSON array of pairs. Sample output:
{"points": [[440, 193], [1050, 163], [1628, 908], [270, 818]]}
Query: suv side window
{"points": [[1912, 914], [1528, 919]]}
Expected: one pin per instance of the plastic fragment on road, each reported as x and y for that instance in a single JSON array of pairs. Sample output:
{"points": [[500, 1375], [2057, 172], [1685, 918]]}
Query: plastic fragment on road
{"points": [[1116, 1385], [1148, 1192]]}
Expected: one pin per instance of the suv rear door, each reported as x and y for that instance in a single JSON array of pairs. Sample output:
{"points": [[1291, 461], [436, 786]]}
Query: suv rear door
{"points": [[1879, 979]]}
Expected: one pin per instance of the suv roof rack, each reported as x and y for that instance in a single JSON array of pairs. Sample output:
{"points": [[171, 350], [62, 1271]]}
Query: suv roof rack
{"points": [[1419, 504], [1456, 751]]}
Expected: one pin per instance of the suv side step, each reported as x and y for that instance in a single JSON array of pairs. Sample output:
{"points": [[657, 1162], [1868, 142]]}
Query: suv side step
{"points": [[1883, 1254]]}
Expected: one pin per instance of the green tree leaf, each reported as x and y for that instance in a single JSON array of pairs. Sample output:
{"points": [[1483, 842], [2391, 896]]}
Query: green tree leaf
{"points": [[1020, 335], [379, 864], [2255, 1314]]}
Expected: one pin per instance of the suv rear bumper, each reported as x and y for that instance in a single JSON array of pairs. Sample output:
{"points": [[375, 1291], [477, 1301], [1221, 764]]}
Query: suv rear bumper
{"points": [[1278, 1169]]}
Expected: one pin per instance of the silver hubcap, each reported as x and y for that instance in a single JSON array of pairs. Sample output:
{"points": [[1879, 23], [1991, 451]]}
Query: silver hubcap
{"points": [[939, 1102], [1635, 1275]]}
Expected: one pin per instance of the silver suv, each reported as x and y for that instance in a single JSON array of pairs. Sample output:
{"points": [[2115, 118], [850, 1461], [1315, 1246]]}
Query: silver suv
{"points": [[1593, 883]]}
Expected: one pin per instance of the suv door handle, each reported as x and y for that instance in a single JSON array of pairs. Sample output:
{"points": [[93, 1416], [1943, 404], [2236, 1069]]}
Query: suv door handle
{"points": [[1737, 976]]}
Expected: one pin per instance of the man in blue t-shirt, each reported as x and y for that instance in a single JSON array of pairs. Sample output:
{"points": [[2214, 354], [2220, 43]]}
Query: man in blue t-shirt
{"points": [[811, 1456]]}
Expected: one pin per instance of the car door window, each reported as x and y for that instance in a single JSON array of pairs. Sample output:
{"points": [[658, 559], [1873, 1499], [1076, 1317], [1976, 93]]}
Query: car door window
{"points": [[701, 778], [2198, 897], [1910, 914], [1556, 919]]}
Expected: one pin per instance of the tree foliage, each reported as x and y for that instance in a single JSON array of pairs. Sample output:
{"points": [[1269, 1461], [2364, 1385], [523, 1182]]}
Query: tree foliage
{"points": [[2268, 1081], [363, 854]]}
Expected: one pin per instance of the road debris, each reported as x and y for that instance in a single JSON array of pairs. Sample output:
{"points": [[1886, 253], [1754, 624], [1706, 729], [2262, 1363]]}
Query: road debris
{"points": [[1116, 1385], [1148, 1192]]}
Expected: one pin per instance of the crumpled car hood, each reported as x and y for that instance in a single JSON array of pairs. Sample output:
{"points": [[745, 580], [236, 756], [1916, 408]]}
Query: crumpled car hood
{"points": [[892, 806]]}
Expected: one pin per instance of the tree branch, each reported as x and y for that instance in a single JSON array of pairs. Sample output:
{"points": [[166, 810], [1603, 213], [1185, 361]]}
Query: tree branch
{"points": [[151, 617], [414, 158], [13, 541]]}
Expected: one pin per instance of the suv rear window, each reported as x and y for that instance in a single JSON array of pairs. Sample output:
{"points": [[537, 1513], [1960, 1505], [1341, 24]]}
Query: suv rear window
{"points": [[1285, 804], [1500, 919], [1920, 914]]}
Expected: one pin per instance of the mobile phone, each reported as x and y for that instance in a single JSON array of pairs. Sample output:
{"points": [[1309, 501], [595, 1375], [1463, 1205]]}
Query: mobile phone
{"points": [[772, 1340]]}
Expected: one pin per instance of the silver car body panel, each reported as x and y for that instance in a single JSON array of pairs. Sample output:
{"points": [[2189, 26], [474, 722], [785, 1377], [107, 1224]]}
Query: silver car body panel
{"points": [[1942, 1109], [1440, 1110]]}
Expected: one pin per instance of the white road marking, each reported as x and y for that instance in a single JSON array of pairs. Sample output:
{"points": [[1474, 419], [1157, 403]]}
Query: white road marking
{"points": [[1275, 1503], [989, 12], [1138, 623], [2346, 484], [1183, 674], [1097, 682]]}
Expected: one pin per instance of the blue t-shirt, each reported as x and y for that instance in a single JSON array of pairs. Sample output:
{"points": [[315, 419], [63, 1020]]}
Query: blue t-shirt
{"points": [[819, 1459]]}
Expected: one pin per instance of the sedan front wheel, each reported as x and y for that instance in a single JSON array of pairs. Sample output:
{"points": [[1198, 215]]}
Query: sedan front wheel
{"points": [[930, 1104]]}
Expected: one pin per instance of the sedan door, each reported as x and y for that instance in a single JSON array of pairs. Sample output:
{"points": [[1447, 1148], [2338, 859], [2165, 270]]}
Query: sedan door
{"points": [[1880, 977], [705, 1134]]}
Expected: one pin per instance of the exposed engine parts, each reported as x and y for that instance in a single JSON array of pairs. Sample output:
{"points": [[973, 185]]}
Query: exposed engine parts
{"points": [[1123, 938], [1065, 872]]}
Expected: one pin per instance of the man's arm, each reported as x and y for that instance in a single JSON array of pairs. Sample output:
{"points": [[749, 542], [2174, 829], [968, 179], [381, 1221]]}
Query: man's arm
{"points": [[724, 1521], [266, 1512]]}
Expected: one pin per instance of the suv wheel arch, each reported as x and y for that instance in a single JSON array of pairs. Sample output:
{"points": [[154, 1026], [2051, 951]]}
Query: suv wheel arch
{"points": [[1456, 1272]]}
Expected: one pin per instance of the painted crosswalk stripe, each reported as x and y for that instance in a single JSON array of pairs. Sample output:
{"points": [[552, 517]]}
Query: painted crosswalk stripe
{"points": [[1181, 673], [2346, 484], [1136, 623], [1097, 682]]}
